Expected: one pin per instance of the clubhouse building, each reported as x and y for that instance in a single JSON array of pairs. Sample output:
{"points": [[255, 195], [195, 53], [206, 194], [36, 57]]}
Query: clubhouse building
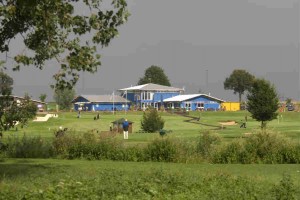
{"points": [[143, 96]]}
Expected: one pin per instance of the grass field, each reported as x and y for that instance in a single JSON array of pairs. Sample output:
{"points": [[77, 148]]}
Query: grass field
{"points": [[131, 180], [82, 179], [182, 127]]}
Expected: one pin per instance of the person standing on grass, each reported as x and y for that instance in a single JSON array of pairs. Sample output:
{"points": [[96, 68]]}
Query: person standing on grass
{"points": [[125, 129]]}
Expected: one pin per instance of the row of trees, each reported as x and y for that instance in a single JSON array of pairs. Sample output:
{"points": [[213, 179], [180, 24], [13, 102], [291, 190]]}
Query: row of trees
{"points": [[262, 98]]}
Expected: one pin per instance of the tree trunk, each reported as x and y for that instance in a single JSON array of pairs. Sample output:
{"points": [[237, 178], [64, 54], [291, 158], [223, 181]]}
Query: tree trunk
{"points": [[263, 125], [240, 97]]}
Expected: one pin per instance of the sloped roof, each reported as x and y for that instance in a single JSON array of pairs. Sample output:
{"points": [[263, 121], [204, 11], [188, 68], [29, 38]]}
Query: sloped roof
{"points": [[120, 121], [102, 98], [185, 97], [22, 98], [152, 87]]}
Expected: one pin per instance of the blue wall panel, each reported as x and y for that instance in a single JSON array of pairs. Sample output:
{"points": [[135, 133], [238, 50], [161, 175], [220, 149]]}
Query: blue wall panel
{"points": [[102, 107], [208, 103]]}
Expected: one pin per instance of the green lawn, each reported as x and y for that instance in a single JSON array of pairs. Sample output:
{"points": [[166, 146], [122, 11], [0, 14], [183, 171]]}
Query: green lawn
{"points": [[182, 127]]}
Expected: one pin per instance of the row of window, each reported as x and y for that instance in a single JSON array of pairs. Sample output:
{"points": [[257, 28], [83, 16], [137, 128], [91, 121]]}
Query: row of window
{"points": [[144, 96]]}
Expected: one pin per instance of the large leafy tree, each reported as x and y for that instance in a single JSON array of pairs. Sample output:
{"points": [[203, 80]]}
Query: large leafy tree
{"points": [[12, 111], [263, 101], [67, 31], [154, 74], [64, 97], [239, 81]]}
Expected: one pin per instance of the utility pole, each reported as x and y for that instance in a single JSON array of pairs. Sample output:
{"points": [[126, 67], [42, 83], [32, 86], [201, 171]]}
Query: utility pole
{"points": [[206, 80]]}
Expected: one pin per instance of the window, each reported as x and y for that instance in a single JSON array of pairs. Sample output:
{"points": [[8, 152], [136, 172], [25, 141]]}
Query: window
{"points": [[136, 97], [200, 105], [147, 95], [188, 105]]}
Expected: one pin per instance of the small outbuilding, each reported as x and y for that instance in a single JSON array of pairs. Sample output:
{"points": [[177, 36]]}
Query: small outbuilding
{"points": [[100, 103], [118, 125], [194, 102]]}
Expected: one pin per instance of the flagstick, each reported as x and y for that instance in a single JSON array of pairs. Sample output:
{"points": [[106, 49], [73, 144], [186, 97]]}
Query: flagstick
{"points": [[113, 102], [126, 102]]}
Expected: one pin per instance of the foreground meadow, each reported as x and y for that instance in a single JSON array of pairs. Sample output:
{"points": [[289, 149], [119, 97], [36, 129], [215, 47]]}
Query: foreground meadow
{"points": [[79, 179]]}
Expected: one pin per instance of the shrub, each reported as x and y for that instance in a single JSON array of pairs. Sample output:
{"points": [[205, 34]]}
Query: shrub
{"points": [[62, 143], [269, 147], [152, 121], [29, 147], [230, 153], [93, 151], [206, 143], [161, 150], [285, 189], [263, 147]]}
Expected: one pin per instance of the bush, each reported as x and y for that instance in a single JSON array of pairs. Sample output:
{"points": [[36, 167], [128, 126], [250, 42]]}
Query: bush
{"points": [[152, 121], [285, 189], [161, 150], [29, 147], [230, 153], [62, 143], [206, 143], [268, 147], [263, 147]]}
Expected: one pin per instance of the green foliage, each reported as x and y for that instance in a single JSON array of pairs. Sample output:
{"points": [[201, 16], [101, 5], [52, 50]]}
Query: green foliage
{"points": [[206, 143], [121, 180], [53, 29], [13, 111], [263, 147], [43, 97], [239, 81], [263, 101], [288, 101], [152, 121], [161, 150], [88, 145], [28, 147], [64, 97], [285, 189], [62, 143], [155, 74], [6, 84]]}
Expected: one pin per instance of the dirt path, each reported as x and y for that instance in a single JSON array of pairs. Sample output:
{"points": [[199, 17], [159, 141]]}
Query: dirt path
{"points": [[44, 119]]}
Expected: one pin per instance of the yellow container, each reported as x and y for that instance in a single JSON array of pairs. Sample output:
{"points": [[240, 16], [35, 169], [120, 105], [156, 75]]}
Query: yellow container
{"points": [[231, 106]]}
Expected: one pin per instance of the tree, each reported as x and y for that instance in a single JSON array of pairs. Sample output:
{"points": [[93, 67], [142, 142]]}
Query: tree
{"points": [[152, 121], [239, 81], [64, 97], [54, 29], [12, 111], [43, 97], [6, 83], [288, 101], [263, 101], [154, 74]]}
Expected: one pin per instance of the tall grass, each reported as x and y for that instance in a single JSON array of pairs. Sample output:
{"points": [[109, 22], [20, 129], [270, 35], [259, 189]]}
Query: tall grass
{"points": [[154, 184], [262, 147]]}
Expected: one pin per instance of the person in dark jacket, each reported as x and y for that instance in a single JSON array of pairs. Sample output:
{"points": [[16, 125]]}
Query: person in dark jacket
{"points": [[125, 129]]}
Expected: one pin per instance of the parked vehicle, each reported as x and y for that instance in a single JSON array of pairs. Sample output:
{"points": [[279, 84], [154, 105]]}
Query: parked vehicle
{"points": [[290, 107]]}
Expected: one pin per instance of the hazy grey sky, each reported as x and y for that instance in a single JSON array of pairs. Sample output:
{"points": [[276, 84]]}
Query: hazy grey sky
{"points": [[197, 42]]}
